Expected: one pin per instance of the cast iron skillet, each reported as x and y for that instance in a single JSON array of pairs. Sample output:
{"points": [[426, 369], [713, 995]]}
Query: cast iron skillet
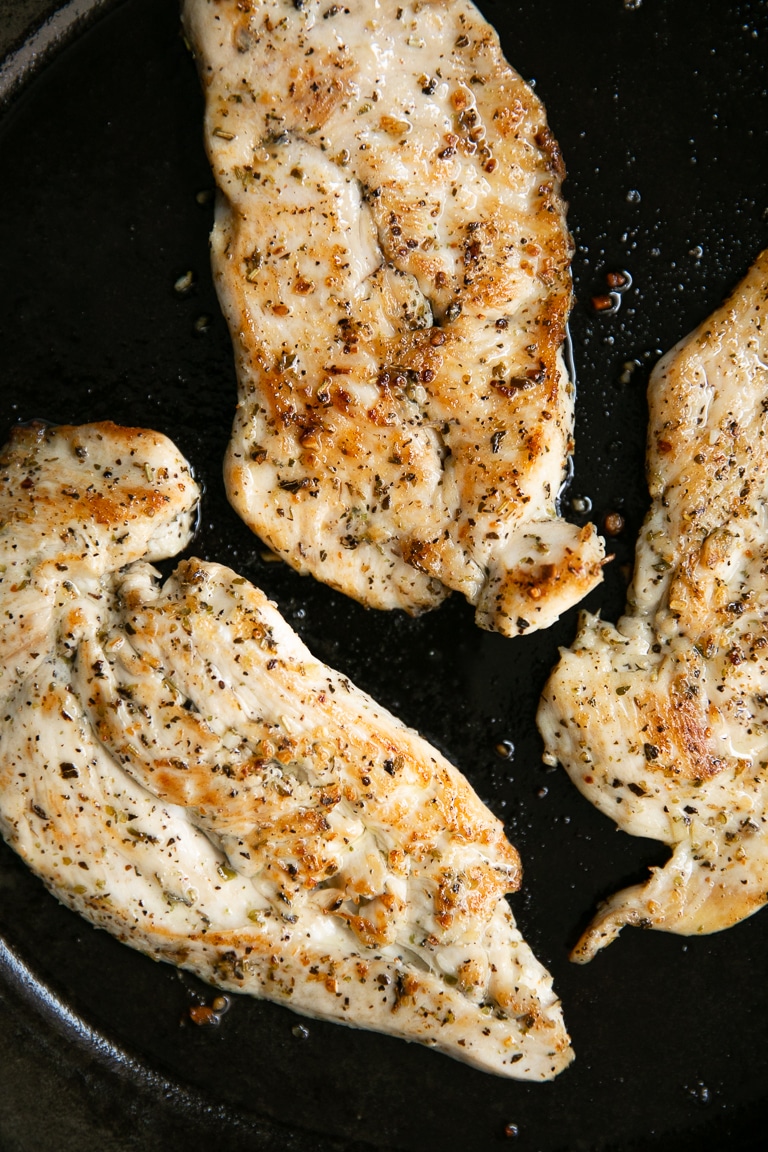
{"points": [[662, 115]]}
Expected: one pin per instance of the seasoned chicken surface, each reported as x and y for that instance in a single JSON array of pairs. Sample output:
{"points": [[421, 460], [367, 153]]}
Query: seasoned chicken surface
{"points": [[662, 721], [391, 255], [177, 767]]}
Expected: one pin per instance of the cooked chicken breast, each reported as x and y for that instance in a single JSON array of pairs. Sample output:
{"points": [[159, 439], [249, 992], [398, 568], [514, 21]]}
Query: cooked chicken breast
{"points": [[178, 768], [662, 721], [391, 255]]}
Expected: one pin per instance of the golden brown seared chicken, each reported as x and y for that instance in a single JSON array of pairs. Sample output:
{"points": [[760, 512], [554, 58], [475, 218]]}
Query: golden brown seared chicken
{"points": [[177, 767], [391, 254], [662, 721]]}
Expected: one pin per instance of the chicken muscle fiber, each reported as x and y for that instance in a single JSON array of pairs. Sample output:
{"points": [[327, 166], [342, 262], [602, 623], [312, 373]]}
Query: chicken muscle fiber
{"points": [[177, 767], [391, 255], [662, 721]]}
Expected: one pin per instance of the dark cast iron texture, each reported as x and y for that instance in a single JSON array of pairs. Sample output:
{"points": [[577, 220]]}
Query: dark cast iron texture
{"points": [[662, 115]]}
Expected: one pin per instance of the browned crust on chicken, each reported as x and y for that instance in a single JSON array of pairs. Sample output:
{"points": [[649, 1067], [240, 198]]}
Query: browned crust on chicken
{"points": [[176, 766], [663, 721], [391, 254]]}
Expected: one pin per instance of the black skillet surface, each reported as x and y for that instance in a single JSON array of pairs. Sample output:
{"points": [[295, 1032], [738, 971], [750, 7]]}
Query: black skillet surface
{"points": [[662, 113]]}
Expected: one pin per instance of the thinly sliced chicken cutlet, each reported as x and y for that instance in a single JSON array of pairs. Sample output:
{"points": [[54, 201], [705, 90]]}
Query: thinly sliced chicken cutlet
{"points": [[391, 255], [177, 767], [662, 721]]}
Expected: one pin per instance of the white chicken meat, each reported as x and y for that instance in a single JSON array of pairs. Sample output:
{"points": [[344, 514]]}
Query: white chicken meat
{"points": [[662, 720], [176, 766], [391, 254]]}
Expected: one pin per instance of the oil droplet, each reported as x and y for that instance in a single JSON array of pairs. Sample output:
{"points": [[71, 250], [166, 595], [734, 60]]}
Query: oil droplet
{"points": [[633, 196], [619, 281], [300, 1032], [505, 749], [608, 303], [581, 504], [633, 5], [202, 1015], [696, 252], [613, 523], [184, 283], [629, 367], [700, 1092], [511, 1131]]}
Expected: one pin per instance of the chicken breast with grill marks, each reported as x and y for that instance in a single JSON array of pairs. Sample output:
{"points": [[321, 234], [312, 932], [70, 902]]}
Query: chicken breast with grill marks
{"points": [[391, 255], [662, 721], [177, 767]]}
